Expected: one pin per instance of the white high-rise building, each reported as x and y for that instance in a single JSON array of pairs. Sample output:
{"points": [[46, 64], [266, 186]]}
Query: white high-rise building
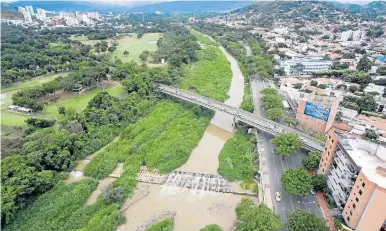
{"points": [[27, 16], [41, 14], [20, 9], [31, 10]]}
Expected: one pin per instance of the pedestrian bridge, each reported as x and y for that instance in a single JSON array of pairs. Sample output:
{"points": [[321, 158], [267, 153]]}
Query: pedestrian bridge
{"points": [[251, 119]]}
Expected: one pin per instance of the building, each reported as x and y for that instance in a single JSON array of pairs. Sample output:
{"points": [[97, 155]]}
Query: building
{"points": [[26, 15], [22, 110], [30, 9], [317, 113], [41, 14], [356, 175], [374, 88], [305, 66], [357, 35]]}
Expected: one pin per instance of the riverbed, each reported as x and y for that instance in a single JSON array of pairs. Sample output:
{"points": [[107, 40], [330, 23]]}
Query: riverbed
{"points": [[194, 209]]}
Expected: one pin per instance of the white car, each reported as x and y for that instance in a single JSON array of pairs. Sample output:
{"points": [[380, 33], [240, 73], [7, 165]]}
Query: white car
{"points": [[278, 196]]}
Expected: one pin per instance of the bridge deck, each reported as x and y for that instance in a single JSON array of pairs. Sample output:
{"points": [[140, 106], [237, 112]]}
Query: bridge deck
{"points": [[259, 122]]}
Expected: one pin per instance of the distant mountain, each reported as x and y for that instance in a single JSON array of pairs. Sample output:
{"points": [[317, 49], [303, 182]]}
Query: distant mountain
{"points": [[191, 6], [135, 6]]}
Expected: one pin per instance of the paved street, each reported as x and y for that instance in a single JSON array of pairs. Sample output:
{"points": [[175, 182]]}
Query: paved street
{"points": [[276, 165]]}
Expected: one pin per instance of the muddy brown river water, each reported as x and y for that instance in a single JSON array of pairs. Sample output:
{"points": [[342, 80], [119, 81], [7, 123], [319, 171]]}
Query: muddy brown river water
{"points": [[194, 209]]}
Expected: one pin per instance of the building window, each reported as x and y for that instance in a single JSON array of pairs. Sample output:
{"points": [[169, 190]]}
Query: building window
{"points": [[354, 206], [332, 141], [357, 199], [360, 192], [348, 218], [350, 212], [363, 184], [328, 154], [329, 137]]}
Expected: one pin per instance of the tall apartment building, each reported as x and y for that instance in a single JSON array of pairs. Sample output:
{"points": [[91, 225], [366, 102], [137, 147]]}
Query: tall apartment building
{"points": [[30, 9], [41, 14], [356, 175], [305, 66], [317, 113]]}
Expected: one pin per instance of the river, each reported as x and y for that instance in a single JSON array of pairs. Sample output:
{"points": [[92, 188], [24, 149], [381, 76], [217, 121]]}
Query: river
{"points": [[194, 209]]}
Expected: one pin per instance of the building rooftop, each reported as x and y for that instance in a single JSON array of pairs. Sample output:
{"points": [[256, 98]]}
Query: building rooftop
{"points": [[368, 156]]}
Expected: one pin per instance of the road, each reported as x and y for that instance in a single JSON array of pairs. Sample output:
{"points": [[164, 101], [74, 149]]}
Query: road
{"points": [[276, 166]]}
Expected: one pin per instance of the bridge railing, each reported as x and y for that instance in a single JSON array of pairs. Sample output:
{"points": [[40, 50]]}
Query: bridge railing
{"points": [[260, 122]]}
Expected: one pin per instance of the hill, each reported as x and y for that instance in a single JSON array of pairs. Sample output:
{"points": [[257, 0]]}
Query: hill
{"points": [[265, 13]]}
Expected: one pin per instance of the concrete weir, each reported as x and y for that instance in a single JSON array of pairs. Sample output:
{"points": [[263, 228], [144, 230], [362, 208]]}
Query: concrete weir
{"points": [[190, 180]]}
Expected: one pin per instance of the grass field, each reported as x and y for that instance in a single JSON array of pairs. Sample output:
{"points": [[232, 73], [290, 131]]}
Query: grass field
{"points": [[135, 46], [84, 40], [79, 102], [7, 92]]}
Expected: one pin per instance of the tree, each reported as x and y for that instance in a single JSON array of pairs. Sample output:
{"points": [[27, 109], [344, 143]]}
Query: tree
{"points": [[301, 220], [364, 64], [319, 183], [256, 217], [311, 161], [113, 195], [62, 110], [144, 55], [381, 70], [290, 121], [367, 103], [297, 182], [125, 53], [314, 83], [353, 88], [274, 113], [280, 71], [338, 116], [287, 144], [212, 227], [370, 134]]}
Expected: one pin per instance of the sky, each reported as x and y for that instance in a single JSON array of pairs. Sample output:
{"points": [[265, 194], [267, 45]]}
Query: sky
{"points": [[131, 1]]}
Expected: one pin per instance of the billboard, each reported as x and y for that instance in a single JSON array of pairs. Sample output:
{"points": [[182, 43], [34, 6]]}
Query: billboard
{"points": [[317, 111]]}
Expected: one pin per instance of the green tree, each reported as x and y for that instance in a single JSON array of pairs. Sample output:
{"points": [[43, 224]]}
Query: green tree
{"points": [[364, 64], [311, 161], [212, 227], [370, 134], [126, 53], [287, 144], [353, 88], [290, 121], [301, 220], [314, 83], [253, 217], [319, 183], [61, 110], [381, 70], [144, 55], [274, 113], [297, 182]]}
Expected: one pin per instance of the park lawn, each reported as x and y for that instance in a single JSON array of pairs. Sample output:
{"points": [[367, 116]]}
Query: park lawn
{"points": [[85, 40], [12, 119], [135, 46], [35, 81], [79, 102]]}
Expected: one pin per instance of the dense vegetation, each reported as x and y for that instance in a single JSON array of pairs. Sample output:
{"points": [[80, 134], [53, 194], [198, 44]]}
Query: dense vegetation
{"points": [[213, 227], [271, 102], [287, 144], [311, 161], [256, 217], [210, 76], [296, 182], [238, 159], [164, 225], [27, 53], [53, 208], [152, 140], [39, 159], [301, 220]]}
